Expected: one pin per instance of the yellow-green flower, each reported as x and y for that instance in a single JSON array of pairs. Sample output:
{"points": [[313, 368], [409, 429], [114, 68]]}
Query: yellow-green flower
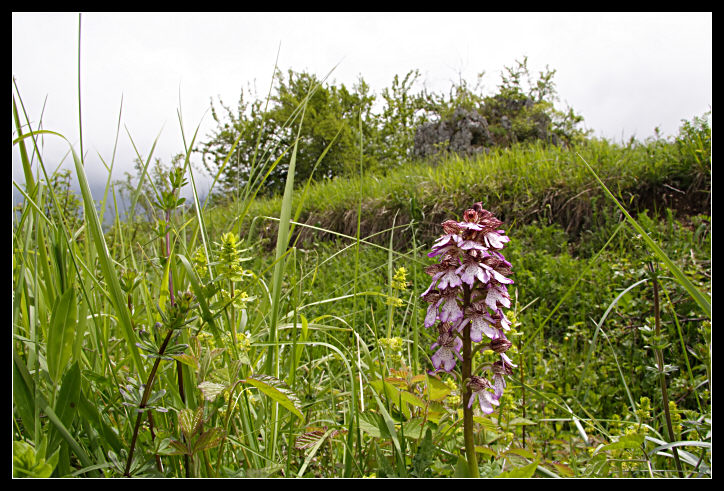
{"points": [[392, 348], [394, 301], [399, 280]]}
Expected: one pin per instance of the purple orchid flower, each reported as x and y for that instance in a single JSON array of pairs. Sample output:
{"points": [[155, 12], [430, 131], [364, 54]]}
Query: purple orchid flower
{"points": [[479, 387], [449, 350]]}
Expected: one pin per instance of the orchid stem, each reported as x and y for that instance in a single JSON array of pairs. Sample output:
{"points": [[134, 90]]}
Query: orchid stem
{"points": [[467, 370]]}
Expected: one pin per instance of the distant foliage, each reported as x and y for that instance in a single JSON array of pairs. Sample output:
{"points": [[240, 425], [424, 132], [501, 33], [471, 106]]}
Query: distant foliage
{"points": [[524, 111], [262, 132], [265, 134]]}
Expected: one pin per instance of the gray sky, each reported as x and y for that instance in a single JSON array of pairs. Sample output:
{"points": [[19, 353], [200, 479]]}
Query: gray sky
{"points": [[624, 73]]}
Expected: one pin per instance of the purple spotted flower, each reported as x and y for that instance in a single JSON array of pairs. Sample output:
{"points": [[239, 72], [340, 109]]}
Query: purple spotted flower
{"points": [[480, 388], [448, 344], [466, 296]]}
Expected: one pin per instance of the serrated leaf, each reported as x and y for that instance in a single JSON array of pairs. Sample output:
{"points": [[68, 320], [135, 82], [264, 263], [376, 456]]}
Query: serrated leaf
{"points": [[413, 428], [520, 472], [399, 383], [211, 390], [411, 398], [563, 469], [185, 421], [417, 379], [308, 439], [277, 390], [209, 439], [522, 452], [179, 448], [225, 375], [390, 391], [486, 423], [315, 441], [190, 421], [187, 360]]}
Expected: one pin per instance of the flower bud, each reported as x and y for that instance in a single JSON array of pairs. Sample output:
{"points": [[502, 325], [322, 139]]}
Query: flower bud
{"points": [[500, 345]]}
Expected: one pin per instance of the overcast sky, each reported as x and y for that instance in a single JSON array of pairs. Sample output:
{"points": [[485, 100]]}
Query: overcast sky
{"points": [[624, 73]]}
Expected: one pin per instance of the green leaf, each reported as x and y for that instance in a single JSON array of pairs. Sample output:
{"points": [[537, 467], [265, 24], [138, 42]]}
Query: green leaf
{"points": [[277, 390], [77, 449], [563, 469], [80, 329], [486, 451], [89, 413], [461, 468], [368, 423], [209, 439], [179, 448], [436, 389], [520, 472], [390, 391], [23, 398], [190, 421], [211, 390], [28, 463], [424, 456], [107, 265], [68, 401], [388, 423], [187, 360], [207, 316], [522, 452], [689, 443], [413, 428], [61, 333], [522, 422], [313, 449], [626, 441]]}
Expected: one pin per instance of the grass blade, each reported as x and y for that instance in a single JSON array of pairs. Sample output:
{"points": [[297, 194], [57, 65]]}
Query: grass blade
{"points": [[696, 295], [107, 266], [61, 334]]}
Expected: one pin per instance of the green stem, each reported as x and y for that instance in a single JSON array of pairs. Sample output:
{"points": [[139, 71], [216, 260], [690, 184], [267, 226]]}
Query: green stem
{"points": [[522, 387], [144, 401], [467, 393]]}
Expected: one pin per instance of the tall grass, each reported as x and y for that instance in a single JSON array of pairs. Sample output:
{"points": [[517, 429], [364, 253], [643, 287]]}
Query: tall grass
{"points": [[527, 182]]}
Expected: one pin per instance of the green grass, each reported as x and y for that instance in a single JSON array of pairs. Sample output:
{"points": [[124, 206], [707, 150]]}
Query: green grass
{"points": [[524, 183]]}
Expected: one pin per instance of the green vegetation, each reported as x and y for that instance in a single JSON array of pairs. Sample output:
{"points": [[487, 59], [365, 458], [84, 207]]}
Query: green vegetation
{"points": [[278, 330], [258, 132]]}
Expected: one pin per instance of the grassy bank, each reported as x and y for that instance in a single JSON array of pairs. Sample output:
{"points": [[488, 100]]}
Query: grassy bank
{"points": [[522, 184]]}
